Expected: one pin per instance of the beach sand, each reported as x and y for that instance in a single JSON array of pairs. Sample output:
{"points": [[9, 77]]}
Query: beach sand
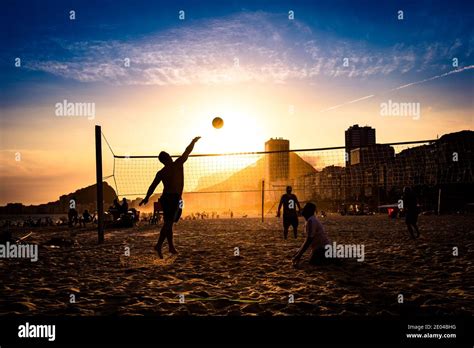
{"points": [[104, 281]]}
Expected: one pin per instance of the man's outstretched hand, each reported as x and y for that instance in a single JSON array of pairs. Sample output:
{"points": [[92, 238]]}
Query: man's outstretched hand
{"points": [[196, 139], [143, 202]]}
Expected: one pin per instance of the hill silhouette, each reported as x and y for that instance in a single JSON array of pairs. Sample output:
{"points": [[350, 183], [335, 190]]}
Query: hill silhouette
{"points": [[219, 189], [85, 199], [250, 177]]}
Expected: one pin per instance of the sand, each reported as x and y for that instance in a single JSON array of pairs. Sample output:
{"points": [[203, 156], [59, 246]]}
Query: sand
{"points": [[104, 281]]}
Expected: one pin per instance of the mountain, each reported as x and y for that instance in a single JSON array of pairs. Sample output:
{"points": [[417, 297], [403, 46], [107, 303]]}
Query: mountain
{"points": [[85, 199], [219, 190], [250, 178]]}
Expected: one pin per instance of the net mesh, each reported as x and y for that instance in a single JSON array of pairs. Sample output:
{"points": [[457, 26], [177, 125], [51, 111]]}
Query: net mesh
{"points": [[374, 174]]}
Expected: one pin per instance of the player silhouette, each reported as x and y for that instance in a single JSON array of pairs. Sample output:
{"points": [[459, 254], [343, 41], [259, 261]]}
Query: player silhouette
{"points": [[172, 176], [289, 201], [411, 211]]}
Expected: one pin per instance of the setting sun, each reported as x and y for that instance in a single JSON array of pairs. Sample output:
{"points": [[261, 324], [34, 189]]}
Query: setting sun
{"points": [[241, 131]]}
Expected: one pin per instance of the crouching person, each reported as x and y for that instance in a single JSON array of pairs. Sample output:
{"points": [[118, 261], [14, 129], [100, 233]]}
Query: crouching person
{"points": [[316, 238]]}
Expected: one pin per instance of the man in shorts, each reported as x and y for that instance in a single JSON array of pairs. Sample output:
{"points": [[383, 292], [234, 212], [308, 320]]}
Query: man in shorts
{"points": [[289, 201], [172, 176]]}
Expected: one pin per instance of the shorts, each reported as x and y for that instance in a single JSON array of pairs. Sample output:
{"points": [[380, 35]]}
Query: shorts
{"points": [[171, 207], [318, 257], [411, 217], [290, 220]]}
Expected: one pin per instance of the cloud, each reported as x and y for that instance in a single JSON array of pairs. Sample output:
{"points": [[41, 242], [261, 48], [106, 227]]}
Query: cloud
{"points": [[434, 77], [254, 46], [456, 71]]}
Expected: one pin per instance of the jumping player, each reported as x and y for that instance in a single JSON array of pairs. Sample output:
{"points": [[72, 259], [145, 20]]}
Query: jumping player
{"points": [[289, 201], [172, 175]]}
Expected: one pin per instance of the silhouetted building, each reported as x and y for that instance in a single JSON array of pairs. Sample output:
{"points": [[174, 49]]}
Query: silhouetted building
{"points": [[374, 154], [278, 163], [358, 137]]}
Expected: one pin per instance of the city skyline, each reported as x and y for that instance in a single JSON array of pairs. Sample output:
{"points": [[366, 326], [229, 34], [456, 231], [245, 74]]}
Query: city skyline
{"points": [[368, 155]]}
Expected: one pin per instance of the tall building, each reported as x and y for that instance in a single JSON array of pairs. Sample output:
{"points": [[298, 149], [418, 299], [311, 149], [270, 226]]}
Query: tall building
{"points": [[278, 163], [357, 137]]}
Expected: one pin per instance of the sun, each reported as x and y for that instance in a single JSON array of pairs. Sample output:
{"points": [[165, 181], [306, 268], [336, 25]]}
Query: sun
{"points": [[241, 132]]}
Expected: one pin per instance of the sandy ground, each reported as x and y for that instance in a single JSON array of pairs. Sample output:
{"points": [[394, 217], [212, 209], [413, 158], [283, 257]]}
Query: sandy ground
{"points": [[104, 281]]}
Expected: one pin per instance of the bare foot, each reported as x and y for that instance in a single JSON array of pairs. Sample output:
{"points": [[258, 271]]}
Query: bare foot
{"points": [[173, 251], [158, 251]]}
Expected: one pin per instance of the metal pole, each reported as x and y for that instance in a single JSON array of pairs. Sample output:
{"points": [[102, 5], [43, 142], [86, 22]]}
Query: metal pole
{"points": [[99, 185], [439, 201], [263, 199]]}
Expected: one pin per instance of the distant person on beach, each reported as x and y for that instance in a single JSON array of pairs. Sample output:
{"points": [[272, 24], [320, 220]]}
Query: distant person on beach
{"points": [[289, 201], [116, 205], [124, 207], [172, 176], [411, 211], [316, 238], [115, 209], [72, 214], [86, 217]]}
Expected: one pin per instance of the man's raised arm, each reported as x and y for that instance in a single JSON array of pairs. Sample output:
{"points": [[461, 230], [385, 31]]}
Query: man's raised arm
{"points": [[152, 188], [188, 150]]}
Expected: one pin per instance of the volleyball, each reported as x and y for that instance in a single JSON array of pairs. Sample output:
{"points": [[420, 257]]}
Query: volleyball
{"points": [[217, 122]]}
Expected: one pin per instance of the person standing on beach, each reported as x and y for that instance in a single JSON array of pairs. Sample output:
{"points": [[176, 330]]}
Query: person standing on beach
{"points": [[172, 176], [124, 207], [411, 212], [72, 215], [289, 201]]}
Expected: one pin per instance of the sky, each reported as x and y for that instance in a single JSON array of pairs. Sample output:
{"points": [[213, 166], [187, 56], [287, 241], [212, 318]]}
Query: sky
{"points": [[301, 70]]}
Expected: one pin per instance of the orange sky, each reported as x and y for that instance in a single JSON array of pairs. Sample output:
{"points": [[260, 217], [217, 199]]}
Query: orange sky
{"points": [[58, 153]]}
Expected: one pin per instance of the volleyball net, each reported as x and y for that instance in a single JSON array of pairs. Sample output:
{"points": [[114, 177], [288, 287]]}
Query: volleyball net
{"points": [[244, 182]]}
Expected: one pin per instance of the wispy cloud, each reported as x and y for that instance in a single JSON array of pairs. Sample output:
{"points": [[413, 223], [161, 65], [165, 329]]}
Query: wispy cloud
{"points": [[456, 71], [244, 47], [433, 77], [349, 102]]}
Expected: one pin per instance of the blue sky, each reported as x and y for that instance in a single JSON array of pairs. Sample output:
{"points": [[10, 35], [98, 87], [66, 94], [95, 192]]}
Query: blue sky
{"points": [[367, 32]]}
